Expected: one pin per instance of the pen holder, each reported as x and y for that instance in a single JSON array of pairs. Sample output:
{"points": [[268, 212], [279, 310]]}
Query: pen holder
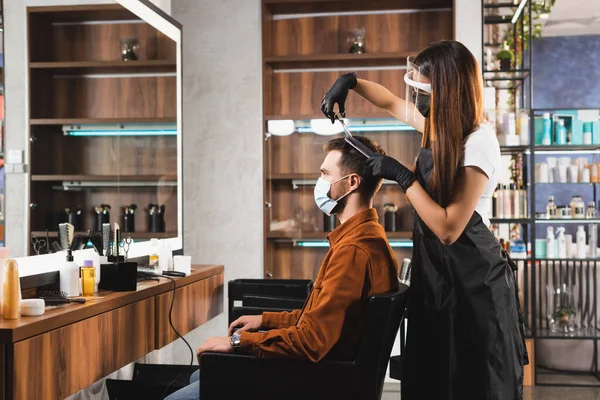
{"points": [[118, 276]]}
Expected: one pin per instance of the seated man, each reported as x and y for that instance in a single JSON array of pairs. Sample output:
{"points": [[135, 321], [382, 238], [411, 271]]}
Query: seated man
{"points": [[359, 264]]}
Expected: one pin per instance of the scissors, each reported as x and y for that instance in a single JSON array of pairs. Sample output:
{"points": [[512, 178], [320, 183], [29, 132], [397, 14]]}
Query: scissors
{"points": [[125, 245], [38, 244], [352, 141]]}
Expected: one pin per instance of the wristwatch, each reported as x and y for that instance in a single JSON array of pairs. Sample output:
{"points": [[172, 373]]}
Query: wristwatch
{"points": [[235, 341]]}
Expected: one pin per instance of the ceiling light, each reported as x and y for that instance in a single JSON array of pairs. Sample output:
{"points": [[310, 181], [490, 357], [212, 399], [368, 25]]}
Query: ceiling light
{"points": [[281, 127], [325, 127]]}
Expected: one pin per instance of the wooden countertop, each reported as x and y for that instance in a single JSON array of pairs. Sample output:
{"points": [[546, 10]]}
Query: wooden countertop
{"points": [[25, 327]]}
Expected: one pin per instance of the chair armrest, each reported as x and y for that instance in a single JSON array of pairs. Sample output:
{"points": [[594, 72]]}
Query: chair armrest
{"points": [[293, 303], [226, 374], [299, 288]]}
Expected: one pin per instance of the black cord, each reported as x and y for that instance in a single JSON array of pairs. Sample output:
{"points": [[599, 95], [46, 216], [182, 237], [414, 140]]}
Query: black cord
{"points": [[178, 334], [171, 321]]}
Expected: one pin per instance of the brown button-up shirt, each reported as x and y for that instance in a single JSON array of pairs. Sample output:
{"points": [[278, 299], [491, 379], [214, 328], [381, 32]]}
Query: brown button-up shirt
{"points": [[359, 263]]}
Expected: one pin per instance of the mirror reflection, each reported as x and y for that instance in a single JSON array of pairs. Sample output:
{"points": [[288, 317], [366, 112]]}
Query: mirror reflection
{"points": [[104, 134]]}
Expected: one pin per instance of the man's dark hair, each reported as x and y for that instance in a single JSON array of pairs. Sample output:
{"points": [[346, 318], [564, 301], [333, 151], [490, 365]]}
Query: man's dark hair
{"points": [[353, 161]]}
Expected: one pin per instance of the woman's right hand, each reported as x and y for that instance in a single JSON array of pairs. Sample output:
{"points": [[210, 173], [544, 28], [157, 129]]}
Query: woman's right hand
{"points": [[337, 94], [250, 323]]}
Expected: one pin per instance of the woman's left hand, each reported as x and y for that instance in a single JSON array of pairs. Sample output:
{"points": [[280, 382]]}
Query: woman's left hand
{"points": [[389, 168]]}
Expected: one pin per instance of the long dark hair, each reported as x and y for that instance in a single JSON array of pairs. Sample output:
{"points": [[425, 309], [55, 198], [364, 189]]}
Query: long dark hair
{"points": [[456, 110]]}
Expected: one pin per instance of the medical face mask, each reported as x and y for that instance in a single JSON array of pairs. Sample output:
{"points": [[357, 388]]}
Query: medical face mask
{"points": [[324, 202], [423, 104]]}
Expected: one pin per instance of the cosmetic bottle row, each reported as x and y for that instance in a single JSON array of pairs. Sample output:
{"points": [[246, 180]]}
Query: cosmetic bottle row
{"points": [[559, 245], [566, 128], [565, 170], [575, 209], [509, 202]]}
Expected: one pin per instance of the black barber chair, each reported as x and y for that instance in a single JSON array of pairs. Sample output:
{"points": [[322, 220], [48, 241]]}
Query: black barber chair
{"points": [[233, 376], [259, 295], [150, 382]]}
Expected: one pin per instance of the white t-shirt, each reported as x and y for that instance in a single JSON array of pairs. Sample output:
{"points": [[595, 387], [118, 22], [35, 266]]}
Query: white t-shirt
{"points": [[483, 151]]}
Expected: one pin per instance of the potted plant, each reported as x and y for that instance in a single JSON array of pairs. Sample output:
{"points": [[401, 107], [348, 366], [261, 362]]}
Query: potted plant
{"points": [[506, 58]]}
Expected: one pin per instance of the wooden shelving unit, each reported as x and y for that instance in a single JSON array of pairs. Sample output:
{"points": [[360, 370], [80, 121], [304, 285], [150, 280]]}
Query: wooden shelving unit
{"points": [[84, 81], [302, 56]]}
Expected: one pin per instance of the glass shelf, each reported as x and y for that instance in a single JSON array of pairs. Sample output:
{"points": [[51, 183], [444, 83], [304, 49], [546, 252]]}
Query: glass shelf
{"points": [[583, 149], [514, 149], [508, 75], [586, 333], [567, 221], [500, 5], [510, 220]]}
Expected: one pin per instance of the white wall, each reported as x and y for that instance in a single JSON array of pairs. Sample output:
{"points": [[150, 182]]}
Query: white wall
{"points": [[467, 25]]}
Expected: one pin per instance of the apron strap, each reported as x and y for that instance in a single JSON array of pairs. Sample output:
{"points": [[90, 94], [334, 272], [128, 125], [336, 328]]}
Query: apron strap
{"points": [[513, 266]]}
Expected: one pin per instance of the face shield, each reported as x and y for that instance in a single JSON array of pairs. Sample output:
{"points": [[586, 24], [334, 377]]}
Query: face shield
{"points": [[418, 93]]}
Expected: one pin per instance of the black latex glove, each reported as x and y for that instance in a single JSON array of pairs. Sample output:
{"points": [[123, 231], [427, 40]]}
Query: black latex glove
{"points": [[337, 93], [389, 168]]}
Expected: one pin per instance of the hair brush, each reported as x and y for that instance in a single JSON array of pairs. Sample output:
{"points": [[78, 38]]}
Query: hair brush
{"points": [[56, 298]]}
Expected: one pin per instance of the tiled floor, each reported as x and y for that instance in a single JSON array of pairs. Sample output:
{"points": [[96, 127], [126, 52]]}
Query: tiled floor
{"points": [[539, 393]]}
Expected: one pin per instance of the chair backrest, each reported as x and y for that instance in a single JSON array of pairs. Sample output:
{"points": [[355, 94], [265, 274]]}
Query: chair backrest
{"points": [[385, 312]]}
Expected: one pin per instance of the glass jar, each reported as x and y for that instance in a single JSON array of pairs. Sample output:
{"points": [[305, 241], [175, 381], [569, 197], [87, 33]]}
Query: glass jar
{"points": [[591, 210], [562, 309]]}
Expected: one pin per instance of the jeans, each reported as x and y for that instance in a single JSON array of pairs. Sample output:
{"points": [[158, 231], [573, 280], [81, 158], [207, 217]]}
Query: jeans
{"points": [[190, 392]]}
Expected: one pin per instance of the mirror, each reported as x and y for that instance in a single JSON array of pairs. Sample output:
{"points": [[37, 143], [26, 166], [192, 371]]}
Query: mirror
{"points": [[105, 124]]}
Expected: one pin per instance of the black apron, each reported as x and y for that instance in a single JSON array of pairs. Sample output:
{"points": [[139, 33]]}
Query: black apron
{"points": [[465, 334]]}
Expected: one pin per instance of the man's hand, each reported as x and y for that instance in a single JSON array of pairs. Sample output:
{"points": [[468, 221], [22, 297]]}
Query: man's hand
{"points": [[250, 323], [216, 344]]}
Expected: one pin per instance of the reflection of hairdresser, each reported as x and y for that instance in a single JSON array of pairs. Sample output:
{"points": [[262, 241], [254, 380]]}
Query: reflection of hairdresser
{"points": [[465, 337]]}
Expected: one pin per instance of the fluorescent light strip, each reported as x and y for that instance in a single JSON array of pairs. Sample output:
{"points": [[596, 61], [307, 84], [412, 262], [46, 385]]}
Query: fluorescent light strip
{"points": [[323, 244], [101, 76], [366, 128], [349, 13], [169, 132], [518, 12], [118, 21], [333, 69]]}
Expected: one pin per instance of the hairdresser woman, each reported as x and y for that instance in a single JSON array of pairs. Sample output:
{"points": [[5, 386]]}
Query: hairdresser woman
{"points": [[465, 337]]}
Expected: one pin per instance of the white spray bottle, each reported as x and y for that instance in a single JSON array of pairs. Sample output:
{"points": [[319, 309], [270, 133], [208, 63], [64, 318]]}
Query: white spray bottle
{"points": [[550, 243], [562, 243]]}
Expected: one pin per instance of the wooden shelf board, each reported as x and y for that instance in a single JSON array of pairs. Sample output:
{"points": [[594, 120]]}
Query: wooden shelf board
{"points": [[134, 235], [99, 178], [323, 235], [80, 13], [106, 66], [341, 60], [316, 6], [77, 121]]}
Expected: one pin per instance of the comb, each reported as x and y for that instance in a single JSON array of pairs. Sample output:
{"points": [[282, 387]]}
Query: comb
{"points": [[56, 298], [105, 239], [63, 236]]}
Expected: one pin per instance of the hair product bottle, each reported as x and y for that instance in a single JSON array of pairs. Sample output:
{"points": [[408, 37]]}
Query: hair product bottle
{"points": [[581, 253], [550, 242]]}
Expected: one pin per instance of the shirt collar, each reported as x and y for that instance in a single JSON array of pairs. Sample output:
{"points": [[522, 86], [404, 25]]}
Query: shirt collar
{"points": [[338, 233]]}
